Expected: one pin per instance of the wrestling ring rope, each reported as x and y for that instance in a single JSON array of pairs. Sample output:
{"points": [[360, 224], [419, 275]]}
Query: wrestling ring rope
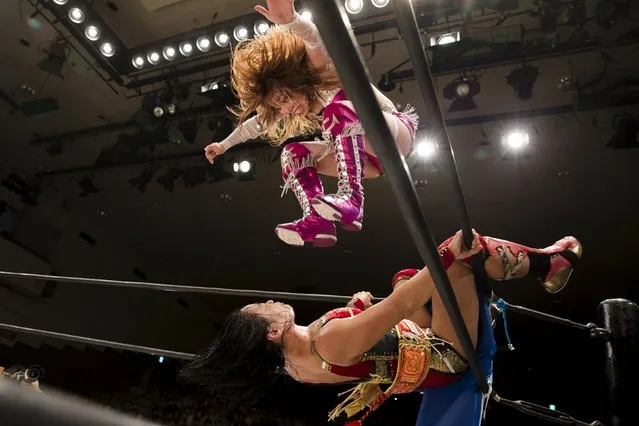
{"points": [[19, 406]]}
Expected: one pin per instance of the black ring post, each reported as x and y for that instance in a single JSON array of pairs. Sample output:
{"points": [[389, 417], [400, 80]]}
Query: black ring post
{"points": [[332, 22], [621, 318], [410, 32], [416, 51]]}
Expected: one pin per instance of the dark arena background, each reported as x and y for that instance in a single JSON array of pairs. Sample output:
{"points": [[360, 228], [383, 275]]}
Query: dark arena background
{"points": [[105, 110]]}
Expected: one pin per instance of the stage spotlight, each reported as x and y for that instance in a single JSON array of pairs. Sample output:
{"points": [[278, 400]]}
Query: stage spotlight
{"points": [[243, 166], [55, 59], [76, 15], [107, 49], [203, 43], [386, 84], [92, 33], [240, 33], [60, 2], [189, 129], [158, 111], [306, 15], [138, 62], [425, 149], [171, 109], [443, 39], [516, 140], [208, 87], [380, 3], [261, 27], [461, 91], [222, 39], [169, 53], [153, 57], [186, 48], [219, 92], [522, 81], [566, 84], [244, 169], [354, 6]]}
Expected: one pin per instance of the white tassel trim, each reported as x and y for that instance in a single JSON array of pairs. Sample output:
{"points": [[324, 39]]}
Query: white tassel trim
{"points": [[411, 113], [295, 166]]}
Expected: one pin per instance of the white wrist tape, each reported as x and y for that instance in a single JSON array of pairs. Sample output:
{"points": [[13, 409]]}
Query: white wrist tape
{"points": [[306, 30], [248, 130]]}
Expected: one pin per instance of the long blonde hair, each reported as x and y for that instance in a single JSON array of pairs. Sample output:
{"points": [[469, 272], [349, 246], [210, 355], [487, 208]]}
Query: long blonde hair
{"points": [[277, 60]]}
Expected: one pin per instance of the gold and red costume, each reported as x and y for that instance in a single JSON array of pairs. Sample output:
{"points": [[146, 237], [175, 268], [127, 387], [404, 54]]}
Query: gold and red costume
{"points": [[406, 359]]}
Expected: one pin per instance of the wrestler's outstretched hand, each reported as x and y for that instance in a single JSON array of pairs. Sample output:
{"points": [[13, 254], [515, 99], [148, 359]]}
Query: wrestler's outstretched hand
{"points": [[278, 12], [364, 296], [213, 150], [456, 246]]}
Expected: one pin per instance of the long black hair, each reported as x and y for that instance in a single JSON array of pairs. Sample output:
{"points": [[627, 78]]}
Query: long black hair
{"points": [[241, 364]]}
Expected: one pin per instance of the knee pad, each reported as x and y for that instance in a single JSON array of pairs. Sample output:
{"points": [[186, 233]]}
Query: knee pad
{"points": [[403, 274]]}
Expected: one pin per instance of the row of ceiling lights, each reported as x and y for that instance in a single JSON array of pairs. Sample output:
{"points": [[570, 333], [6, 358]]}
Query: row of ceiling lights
{"points": [[203, 43], [91, 32], [222, 38]]}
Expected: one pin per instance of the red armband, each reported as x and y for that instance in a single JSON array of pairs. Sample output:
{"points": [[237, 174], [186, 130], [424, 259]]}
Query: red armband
{"points": [[447, 257], [359, 304]]}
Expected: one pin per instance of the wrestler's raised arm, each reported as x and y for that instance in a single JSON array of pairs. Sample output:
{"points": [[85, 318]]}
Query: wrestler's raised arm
{"points": [[248, 130], [343, 341], [282, 12]]}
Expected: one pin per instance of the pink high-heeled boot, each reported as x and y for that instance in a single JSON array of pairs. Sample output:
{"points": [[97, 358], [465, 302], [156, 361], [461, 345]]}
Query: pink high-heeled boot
{"points": [[300, 174], [341, 125]]}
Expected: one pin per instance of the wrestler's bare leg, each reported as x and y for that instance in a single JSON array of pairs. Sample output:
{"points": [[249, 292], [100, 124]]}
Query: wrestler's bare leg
{"points": [[327, 166], [463, 283]]}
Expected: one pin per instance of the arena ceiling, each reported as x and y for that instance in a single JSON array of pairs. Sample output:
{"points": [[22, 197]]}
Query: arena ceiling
{"points": [[219, 230]]}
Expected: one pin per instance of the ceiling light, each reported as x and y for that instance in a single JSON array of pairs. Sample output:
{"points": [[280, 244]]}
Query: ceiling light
{"points": [[107, 50], [306, 15], [92, 33], [138, 62], [222, 39], [169, 53], [60, 2], [380, 3], [447, 39], [203, 43], [461, 91], [443, 39], [76, 15], [522, 80], [354, 6], [243, 166], [186, 48], [516, 140], [425, 149], [153, 57], [240, 33], [261, 27]]}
